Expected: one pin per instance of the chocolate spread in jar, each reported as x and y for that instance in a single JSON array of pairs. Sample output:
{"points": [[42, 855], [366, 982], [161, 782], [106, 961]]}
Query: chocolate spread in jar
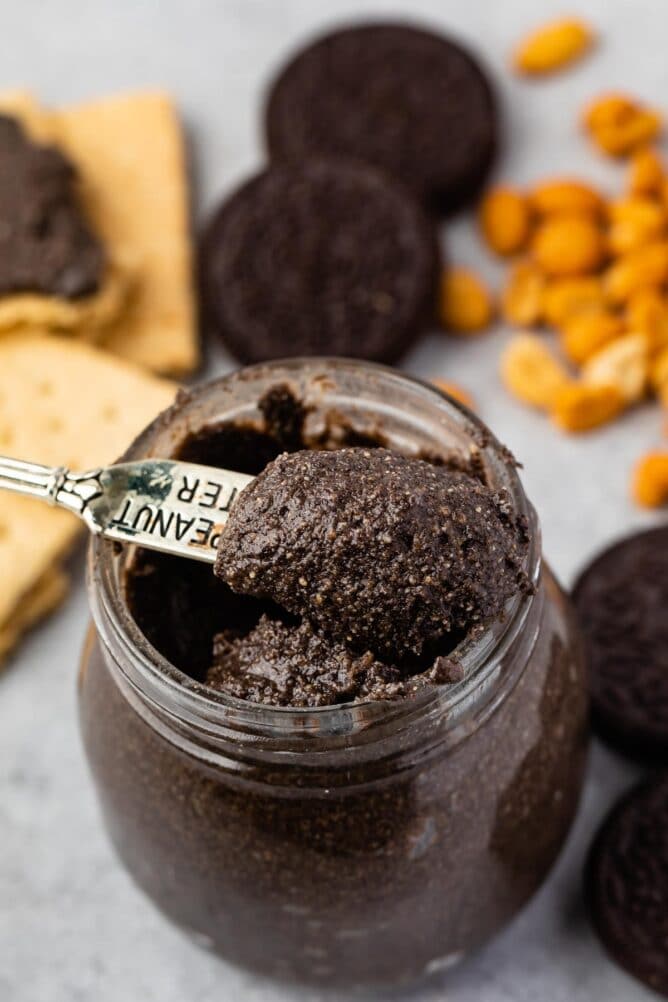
{"points": [[366, 855], [345, 575], [46, 245]]}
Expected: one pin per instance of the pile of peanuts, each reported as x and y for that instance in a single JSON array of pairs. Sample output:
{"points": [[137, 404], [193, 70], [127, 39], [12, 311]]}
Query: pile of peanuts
{"points": [[592, 269]]}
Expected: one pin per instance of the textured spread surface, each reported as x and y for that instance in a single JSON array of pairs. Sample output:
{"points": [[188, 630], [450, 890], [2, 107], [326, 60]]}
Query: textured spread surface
{"points": [[378, 551], [289, 665], [89, 315], [284, 664], [46, 244]]}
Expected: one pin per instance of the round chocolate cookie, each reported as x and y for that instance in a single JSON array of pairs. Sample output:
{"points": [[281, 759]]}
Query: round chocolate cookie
{"points": [[626, 883], [622, 602], [324, 258], [416, 104]]}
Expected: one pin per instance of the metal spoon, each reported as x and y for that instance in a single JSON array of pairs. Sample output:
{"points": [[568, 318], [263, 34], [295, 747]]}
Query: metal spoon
{"points": [[161, 504]]}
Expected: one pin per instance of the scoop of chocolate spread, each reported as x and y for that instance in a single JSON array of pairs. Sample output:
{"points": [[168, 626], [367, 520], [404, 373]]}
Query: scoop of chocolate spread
{"points": [[46, 244], [375, 551]]}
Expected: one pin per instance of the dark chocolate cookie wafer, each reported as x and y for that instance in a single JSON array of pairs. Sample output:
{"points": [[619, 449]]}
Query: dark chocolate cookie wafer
{"points": [[416, 104], [622, 604], [327, 257], [626, 883]]}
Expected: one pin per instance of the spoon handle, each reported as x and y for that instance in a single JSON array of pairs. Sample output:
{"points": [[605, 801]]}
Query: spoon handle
{"points": [[31, 479], [161, 504]]}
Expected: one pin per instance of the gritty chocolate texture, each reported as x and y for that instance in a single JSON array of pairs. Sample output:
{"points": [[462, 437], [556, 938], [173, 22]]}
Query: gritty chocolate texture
{"points": [[381, 556], [46, 245], [281, 664], [290, 665]]}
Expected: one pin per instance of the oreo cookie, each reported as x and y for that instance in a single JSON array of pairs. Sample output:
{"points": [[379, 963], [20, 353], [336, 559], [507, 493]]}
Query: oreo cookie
{"points": [[327, 257], [622, 603], [413, 103], [626, 883]]}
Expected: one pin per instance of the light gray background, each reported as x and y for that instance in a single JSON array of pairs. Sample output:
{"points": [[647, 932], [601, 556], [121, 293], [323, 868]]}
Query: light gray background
{"points": [[72, 927]]}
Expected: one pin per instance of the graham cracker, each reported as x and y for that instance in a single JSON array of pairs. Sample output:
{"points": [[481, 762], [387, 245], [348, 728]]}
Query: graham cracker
{"points": [[129, 152], [66, 403], [88, 316], [131, 156]]}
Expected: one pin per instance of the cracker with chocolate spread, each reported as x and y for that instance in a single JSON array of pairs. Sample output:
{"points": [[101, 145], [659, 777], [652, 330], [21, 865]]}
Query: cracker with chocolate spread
{"points": [[40, 376], [129, 155], [26, 306]]}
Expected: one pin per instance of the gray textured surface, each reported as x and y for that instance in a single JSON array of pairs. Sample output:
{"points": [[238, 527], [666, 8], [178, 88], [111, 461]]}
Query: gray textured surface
{"points": [[71, 925]]}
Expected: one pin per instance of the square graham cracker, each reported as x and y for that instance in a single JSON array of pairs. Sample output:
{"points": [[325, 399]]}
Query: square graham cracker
{"points": [[130, 156], [88, 316]]}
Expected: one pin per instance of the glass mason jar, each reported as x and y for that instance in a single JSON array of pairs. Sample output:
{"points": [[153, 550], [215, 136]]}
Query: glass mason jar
{"points": [[359, 844]]}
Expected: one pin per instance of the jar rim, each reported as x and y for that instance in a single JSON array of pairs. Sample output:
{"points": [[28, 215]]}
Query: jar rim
{"points": [[179, 697]]}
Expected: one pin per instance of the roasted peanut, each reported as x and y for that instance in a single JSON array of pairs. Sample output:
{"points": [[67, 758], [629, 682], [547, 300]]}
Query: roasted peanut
{"points": [[565, 197], [522, 298], [564, 298], [646, 173], [568, 245], [646, 266], [585, 334], [650, 480], [466, 305], [635, 221], [531, 372], [553, 46], [624, 364], [609, 110], [455, 391], [647, 314], [505, 220], [581, 406], [619, 124]]}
